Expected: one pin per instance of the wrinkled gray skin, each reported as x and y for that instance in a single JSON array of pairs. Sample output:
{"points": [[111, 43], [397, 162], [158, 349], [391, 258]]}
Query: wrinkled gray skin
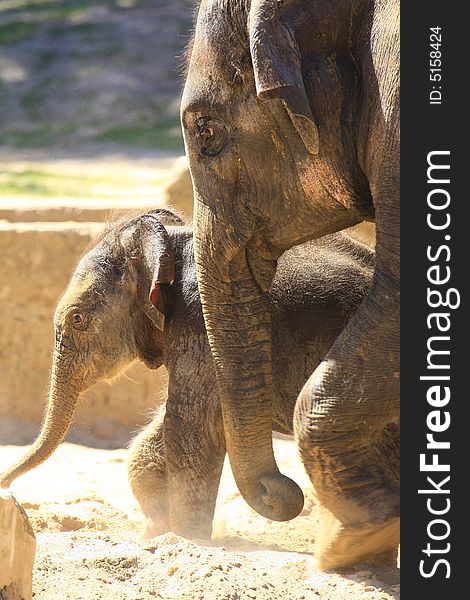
{"points": [[291, 124], [122, 291]]}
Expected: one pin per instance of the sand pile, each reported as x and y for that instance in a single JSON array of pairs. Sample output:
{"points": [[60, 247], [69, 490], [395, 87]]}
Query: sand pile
{"points": [[87, 525]]}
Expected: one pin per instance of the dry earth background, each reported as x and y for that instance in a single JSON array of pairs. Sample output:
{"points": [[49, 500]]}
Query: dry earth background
{"points": [[89, 94]]}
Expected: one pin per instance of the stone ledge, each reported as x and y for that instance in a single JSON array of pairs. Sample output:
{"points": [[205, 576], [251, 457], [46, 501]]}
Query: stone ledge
{"points": [[31, 210]]}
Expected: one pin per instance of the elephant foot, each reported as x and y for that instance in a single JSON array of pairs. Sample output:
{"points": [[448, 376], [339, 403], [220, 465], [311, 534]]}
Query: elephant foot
{"points": [[389, 558], [193, 531], [154, 527], [341, 546]]}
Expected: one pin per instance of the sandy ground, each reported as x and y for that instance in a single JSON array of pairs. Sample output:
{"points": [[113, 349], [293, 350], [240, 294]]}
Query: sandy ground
{"points": [[87, 525]]}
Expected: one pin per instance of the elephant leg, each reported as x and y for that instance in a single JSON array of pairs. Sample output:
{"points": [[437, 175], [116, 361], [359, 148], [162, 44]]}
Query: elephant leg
{"points": [[388, 452], [195, 452], [342, 413], [147, 472]]}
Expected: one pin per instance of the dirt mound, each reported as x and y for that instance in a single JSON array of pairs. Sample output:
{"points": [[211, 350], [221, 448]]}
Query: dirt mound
{"points": [[87, 525]]}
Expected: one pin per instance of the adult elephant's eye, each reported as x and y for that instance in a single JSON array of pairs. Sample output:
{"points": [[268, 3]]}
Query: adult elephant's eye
{"points": [[79, 321], [211, 136]]}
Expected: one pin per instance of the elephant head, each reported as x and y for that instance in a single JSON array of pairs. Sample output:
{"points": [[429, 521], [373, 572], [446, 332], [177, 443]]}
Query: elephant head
{"points": [[109, 315], [268, 114]]}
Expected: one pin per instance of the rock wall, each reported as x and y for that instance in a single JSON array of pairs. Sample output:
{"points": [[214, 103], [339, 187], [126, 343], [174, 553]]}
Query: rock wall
{"points": [[17, 550]]}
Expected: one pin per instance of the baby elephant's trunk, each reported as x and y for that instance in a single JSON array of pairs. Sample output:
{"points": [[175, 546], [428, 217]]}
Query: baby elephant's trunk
{"points": [[60, 411]]}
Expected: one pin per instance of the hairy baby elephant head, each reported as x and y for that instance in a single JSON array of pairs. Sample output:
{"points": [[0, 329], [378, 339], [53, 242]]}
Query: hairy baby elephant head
{"points": [[110, 314]]}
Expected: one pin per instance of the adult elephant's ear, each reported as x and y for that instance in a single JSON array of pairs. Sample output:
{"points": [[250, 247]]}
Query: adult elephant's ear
{"points": [[277, 68]]}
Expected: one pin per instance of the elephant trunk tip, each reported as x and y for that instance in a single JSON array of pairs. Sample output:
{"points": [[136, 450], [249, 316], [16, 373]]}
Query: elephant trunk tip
{"points": [[28, 462], [281, 498], [9, 476], [5, 481]]}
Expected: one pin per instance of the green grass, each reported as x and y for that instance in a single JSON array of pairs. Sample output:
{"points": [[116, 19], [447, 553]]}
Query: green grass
{"points": [[43, 183], [28, 17], [32, 181], [41, 136], [22, 5], [166, 135], [45, 9], [16, 31], [90, 31], [32, 101], [62, 9]]}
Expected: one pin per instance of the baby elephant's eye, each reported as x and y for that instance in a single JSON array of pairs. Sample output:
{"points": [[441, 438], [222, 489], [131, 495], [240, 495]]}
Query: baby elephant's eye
{"points": [[211, 136], [79, 321]]}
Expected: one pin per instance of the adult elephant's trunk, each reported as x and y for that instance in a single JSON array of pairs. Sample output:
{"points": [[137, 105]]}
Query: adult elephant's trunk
{"points": [[239, 329], [60, 411]]}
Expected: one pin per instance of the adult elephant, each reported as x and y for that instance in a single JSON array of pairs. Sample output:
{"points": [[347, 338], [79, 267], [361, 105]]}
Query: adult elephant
{"points": [[291, 123]]}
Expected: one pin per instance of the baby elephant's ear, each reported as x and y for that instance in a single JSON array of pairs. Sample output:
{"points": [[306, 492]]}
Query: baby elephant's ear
{"points": [[156, 311], [164, 273], [277, 68], [161, 264]]}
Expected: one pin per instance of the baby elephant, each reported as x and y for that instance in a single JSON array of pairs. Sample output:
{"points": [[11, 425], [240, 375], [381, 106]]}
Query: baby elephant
{"points": [[135, 295]]}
